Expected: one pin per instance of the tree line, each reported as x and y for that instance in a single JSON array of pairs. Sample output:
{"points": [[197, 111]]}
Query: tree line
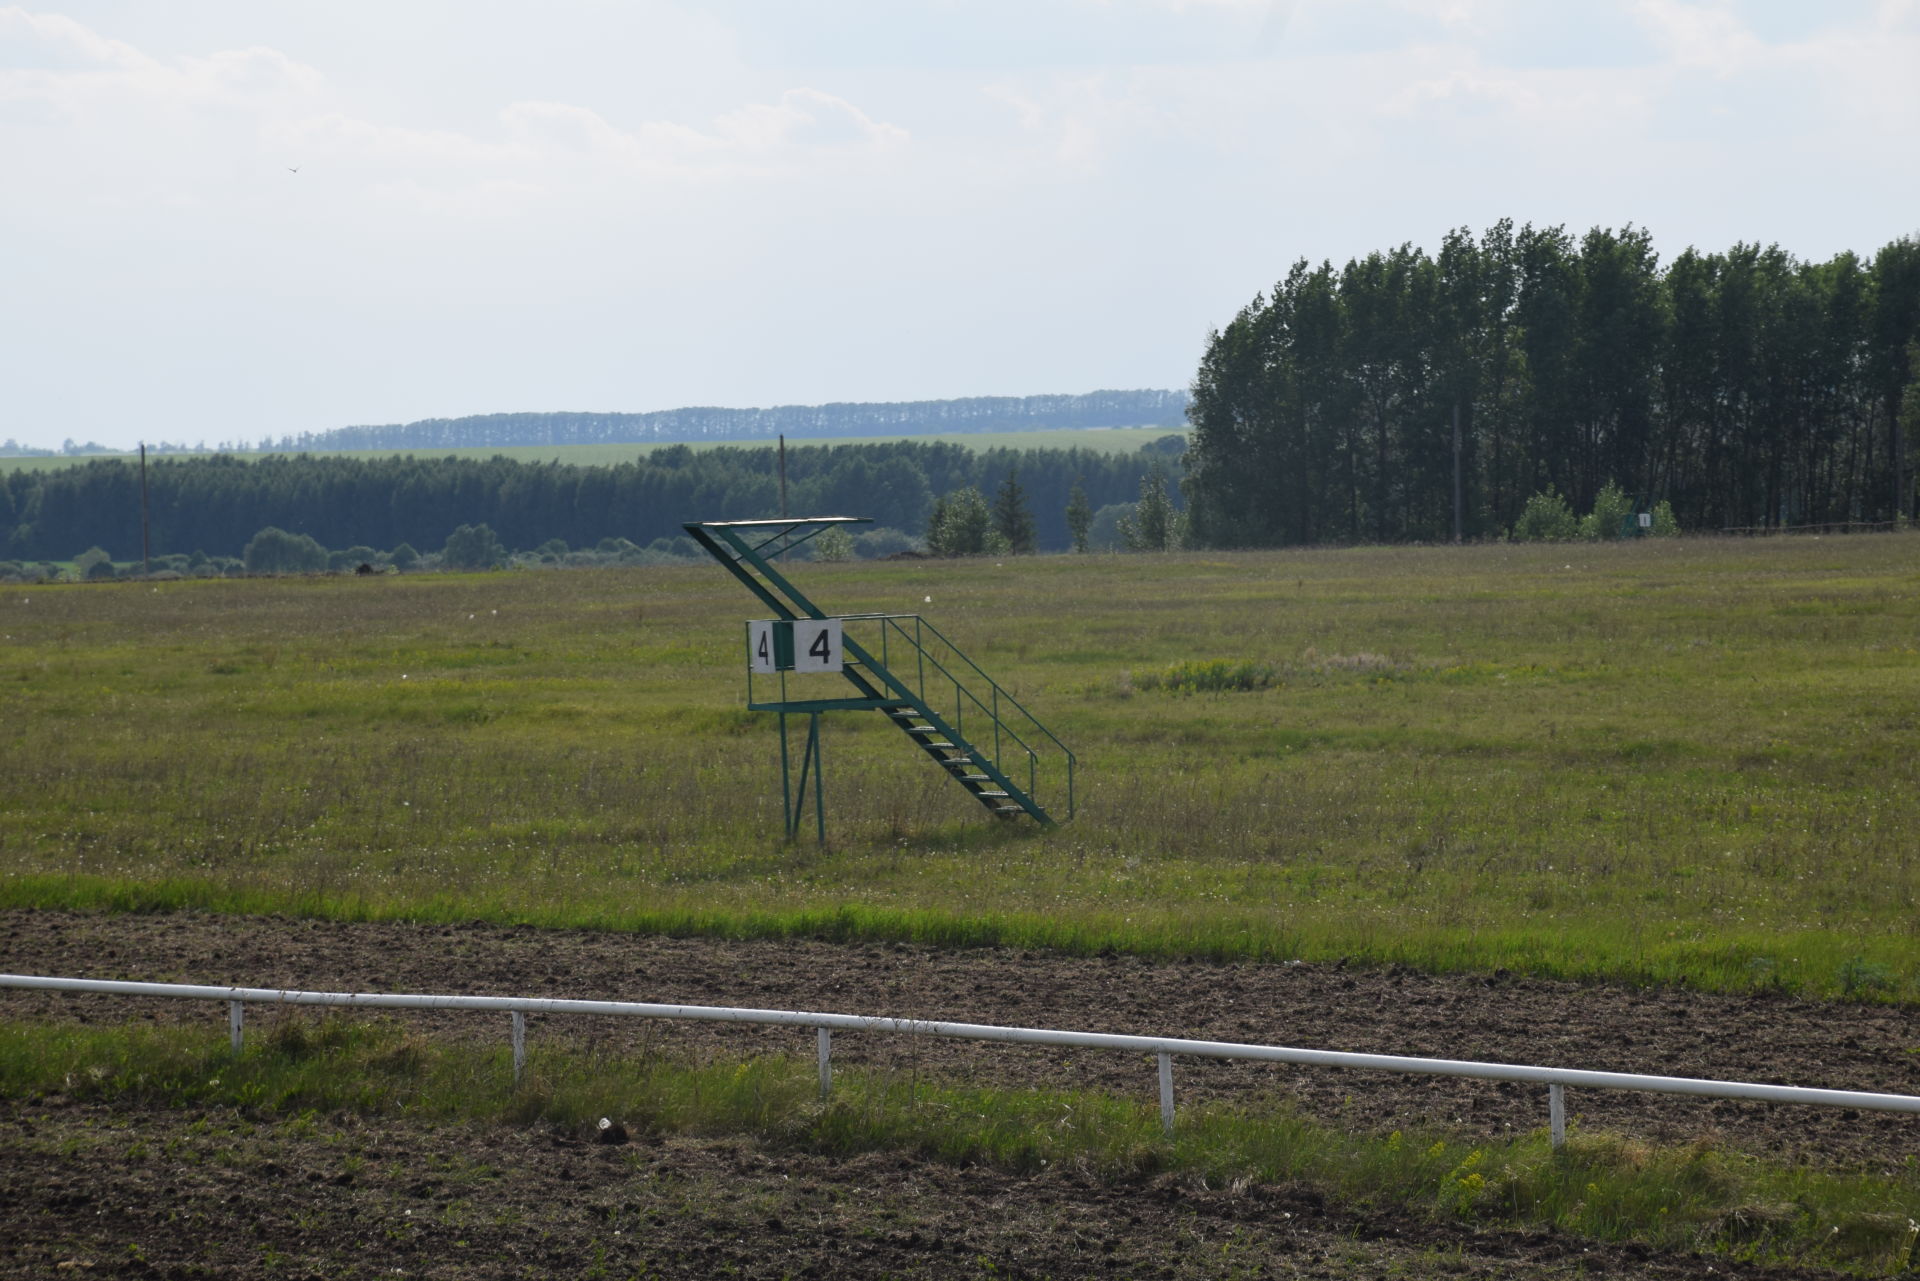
{"points": [[216, 505], [703, 424], [1415, 396]]}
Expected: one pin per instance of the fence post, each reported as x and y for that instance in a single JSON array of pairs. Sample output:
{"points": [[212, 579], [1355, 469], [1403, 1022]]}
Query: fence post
{"points": [[1166, 1092], [1557, 1113], [234, 1021], [825, 1036], [519, 1045]]}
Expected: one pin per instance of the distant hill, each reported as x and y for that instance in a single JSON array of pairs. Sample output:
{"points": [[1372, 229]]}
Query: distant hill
{"points": [[905, 418]]}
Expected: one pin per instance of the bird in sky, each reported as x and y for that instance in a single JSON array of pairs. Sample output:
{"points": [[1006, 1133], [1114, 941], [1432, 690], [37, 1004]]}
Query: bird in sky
{"points": [[293, 168]]}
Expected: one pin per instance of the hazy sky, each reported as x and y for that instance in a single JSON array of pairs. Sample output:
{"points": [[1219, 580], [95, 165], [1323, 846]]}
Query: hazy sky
{"points": [[634, 205]]}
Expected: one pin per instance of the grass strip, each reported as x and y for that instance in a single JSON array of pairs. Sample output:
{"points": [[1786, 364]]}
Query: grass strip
{"points": [[1697, 1197], [1877, 971]]}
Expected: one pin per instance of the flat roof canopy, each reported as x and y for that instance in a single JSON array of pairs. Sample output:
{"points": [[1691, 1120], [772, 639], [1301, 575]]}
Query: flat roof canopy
{"points": [[786, 520]]}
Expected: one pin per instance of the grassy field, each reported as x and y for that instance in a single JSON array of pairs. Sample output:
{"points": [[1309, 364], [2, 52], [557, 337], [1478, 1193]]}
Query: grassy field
{"points": [[1674, 761], [1106, 440]]}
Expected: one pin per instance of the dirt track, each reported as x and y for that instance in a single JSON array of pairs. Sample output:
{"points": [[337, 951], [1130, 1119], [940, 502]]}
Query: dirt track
{"points": [[1049, 1226]]}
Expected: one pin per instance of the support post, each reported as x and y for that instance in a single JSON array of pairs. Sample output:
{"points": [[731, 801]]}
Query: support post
{"points": [[786, 781], [1557, 1114], [519, 1045], [235, 1021], [819, 770], [794, 798], [1166, 1093], [825, 1039]]}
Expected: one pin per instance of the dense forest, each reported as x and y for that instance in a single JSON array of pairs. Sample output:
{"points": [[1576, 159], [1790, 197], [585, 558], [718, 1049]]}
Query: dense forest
{"points": [[1374, 401], [217, 504], [700, 425]]}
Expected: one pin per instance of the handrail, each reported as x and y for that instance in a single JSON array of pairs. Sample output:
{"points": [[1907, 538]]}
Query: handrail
{"points": [[1557, 1079], [961, 654], [995, 712]]}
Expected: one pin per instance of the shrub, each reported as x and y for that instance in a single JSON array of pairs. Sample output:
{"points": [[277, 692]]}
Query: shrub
{"points": [[275, 551], [1612, 513], [1664, 525], [833, 544], [877, 544], [474, 547], [1546, 518], [1210, 676]]}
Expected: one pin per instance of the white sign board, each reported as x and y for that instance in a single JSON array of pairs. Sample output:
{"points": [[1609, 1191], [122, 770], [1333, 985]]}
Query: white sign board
{"points": [[1646, 520], [760, 654], [816, 645]]}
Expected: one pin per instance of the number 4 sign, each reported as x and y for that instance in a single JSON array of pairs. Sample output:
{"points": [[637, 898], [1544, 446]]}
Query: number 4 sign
{"points": [[816, 645], [760, 652]]}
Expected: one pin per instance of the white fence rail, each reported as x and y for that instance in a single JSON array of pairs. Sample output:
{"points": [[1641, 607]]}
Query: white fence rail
{"points": [[825, 1025]]}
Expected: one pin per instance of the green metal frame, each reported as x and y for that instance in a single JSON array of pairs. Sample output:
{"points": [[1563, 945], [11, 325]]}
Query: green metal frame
{"points": [[746, 549]]}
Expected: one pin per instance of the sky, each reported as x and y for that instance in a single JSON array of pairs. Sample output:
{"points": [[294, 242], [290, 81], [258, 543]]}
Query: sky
{"points": [[222, 220]]}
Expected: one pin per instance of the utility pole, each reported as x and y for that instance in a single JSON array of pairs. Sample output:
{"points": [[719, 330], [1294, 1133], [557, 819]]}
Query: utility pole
{"points": [[146, 542]]}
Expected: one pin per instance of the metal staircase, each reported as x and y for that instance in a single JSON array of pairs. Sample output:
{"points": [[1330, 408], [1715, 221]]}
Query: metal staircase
{"points": [[901, 666]]}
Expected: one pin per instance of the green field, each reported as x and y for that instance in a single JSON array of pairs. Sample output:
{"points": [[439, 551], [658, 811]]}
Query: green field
{"points": [[1106, 440], [1678, 761]]}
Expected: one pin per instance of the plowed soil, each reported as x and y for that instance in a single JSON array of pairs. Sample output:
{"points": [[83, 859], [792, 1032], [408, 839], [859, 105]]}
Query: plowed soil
{"points": [[224, 1194]]}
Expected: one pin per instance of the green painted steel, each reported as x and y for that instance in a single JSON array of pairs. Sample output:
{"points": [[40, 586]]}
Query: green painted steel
{"points": [[1008, 763]]}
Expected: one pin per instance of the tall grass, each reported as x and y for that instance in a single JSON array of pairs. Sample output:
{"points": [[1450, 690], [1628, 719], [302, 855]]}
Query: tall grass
{"points": [[1670, 761], [1695, 1197]]}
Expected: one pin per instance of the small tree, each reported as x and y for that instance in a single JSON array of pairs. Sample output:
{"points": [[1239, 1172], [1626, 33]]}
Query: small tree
{"points": [[404, 557], [472, 547], [275, 551], [1079, 517], [962, 526], [1546, 518], [1154, 526], [1011, 519], [1664, 524]]}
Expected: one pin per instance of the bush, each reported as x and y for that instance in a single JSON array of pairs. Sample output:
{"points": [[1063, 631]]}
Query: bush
{"points": [[404, 557], [275, 551], [1546, 518], [1664, 525], [353, 558], [833, 544], [1612, 515], [475, 547], [1210, 676], [879, 543]]}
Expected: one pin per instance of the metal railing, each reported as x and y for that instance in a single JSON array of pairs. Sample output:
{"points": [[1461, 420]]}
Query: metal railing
{"points": [[936, 679], [825, 1025]]}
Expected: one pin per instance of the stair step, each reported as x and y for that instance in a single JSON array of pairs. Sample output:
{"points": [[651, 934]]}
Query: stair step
{"points": [[1008, 809], [923, 729], [955, 762], [973, 778], [988, 792], [940, 745]]}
